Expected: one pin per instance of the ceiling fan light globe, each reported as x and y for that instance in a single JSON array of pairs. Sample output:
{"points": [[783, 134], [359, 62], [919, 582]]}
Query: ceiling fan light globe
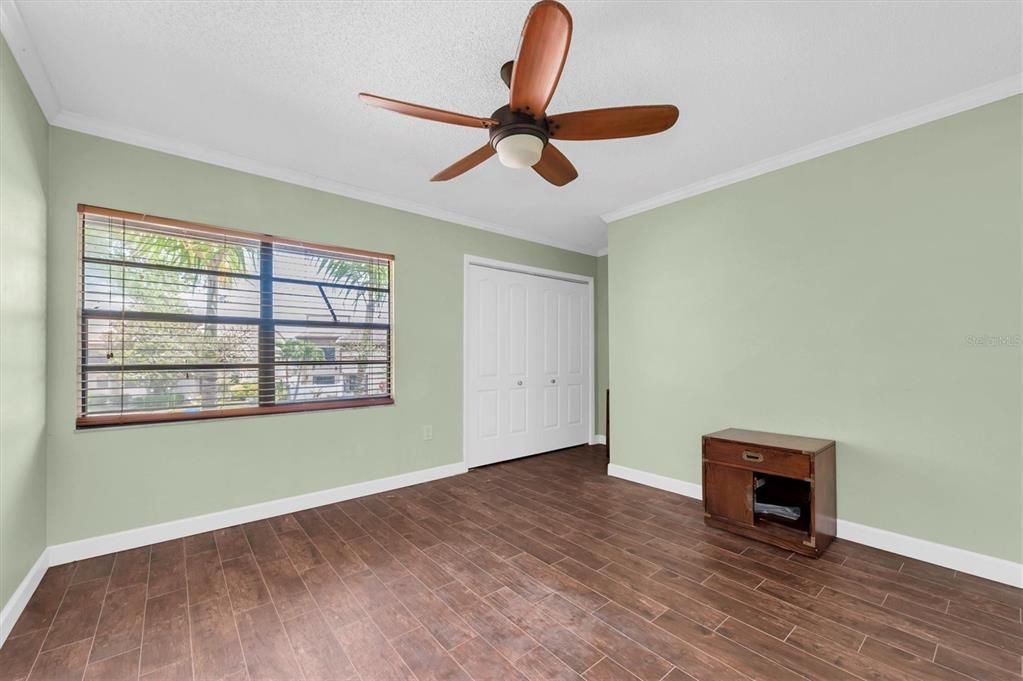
{"points": [[519, 151]]}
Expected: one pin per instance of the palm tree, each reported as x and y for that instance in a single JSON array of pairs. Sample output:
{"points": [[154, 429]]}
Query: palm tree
{"points": [[206, 255], [363, 274], [295, 350]]}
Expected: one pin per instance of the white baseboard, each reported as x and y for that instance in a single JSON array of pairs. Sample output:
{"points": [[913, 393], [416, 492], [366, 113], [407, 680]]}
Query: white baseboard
{"points": [[996, 569], [598, 439], [19, 599], [686, 489], [143, 536], [988, 567], [961, 560]]}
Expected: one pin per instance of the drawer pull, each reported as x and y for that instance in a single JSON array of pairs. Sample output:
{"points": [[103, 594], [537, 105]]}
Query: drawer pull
{"points": [[752, 456]]}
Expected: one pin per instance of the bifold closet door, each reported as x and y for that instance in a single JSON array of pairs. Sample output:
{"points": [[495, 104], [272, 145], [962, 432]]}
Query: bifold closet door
{"points": [[564, 338], [499, 347], [527, 381]]}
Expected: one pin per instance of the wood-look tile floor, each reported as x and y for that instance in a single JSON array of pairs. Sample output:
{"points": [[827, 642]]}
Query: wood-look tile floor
{"points": [[543, 568]]}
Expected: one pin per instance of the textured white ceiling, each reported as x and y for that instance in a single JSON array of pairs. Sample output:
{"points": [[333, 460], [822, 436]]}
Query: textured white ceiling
{"points": [[276, 82]]}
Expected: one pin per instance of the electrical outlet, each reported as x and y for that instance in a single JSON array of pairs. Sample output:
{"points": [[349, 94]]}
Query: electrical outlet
{"points": [[427, 432]]}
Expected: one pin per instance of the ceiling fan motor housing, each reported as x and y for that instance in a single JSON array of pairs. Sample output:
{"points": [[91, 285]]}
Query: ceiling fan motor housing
{"points": [[515, 123]]}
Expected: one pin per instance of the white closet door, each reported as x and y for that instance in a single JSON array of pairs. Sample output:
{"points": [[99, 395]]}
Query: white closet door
{"points": [[576, 362], [499, 359], [565, 373], [527, 374]]}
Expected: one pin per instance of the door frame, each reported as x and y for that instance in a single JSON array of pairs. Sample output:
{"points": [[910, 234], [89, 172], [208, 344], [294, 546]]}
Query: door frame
{"points": [[480, 261]]}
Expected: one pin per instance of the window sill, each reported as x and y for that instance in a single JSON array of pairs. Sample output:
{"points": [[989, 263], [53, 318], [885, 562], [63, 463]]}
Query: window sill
{"points": [[94, 422]]}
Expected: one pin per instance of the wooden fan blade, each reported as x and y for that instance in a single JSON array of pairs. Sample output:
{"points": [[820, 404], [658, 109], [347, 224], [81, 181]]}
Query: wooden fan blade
{"points": [[542, 52], [607, 124], [554, 167], [463, 164], [427, 112]]}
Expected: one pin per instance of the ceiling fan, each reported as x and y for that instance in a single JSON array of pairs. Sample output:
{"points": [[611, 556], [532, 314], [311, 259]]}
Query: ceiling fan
{"points": [[521, 131]]}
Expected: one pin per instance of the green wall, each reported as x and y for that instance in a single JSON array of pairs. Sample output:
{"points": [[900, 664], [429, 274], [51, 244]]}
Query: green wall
{"points": [[841, 298], [600, 329], [23, 178], [114, 479]]}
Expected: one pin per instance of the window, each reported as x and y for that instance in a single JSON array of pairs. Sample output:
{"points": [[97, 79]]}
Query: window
{"points": [[182, 321]]}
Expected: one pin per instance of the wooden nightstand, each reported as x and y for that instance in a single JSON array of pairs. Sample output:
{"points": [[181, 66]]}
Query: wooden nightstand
{"points": [[746, 472]]}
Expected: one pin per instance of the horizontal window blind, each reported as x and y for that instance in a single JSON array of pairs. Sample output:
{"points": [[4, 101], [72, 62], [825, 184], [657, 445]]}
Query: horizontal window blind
{"points": [[182, 321]]}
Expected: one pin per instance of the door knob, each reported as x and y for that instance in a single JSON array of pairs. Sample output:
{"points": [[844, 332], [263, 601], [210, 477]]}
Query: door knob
{"points": [[518, 383], [554, 380]]}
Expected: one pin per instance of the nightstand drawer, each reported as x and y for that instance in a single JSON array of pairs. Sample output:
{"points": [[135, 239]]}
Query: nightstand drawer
{"points": [[757, 458]]}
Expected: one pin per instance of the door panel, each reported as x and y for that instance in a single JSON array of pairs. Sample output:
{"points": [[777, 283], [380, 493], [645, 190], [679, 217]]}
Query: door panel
{"points": [[575, 320], [489, 331], [551, 405], [729, 493], [575, 404], [489, 405], [518, 328], [518, 408], [551, 330]]}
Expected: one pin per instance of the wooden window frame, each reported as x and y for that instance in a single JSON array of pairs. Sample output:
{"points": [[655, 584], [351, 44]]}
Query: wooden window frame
{"points": [[265, 364]]}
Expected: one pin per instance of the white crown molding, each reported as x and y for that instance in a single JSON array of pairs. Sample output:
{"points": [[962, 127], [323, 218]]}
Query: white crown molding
{"points": [[961, 560], [931, 112], [139, 138], [174, 529], [19, 599], [16, 33], [18, 39]]}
